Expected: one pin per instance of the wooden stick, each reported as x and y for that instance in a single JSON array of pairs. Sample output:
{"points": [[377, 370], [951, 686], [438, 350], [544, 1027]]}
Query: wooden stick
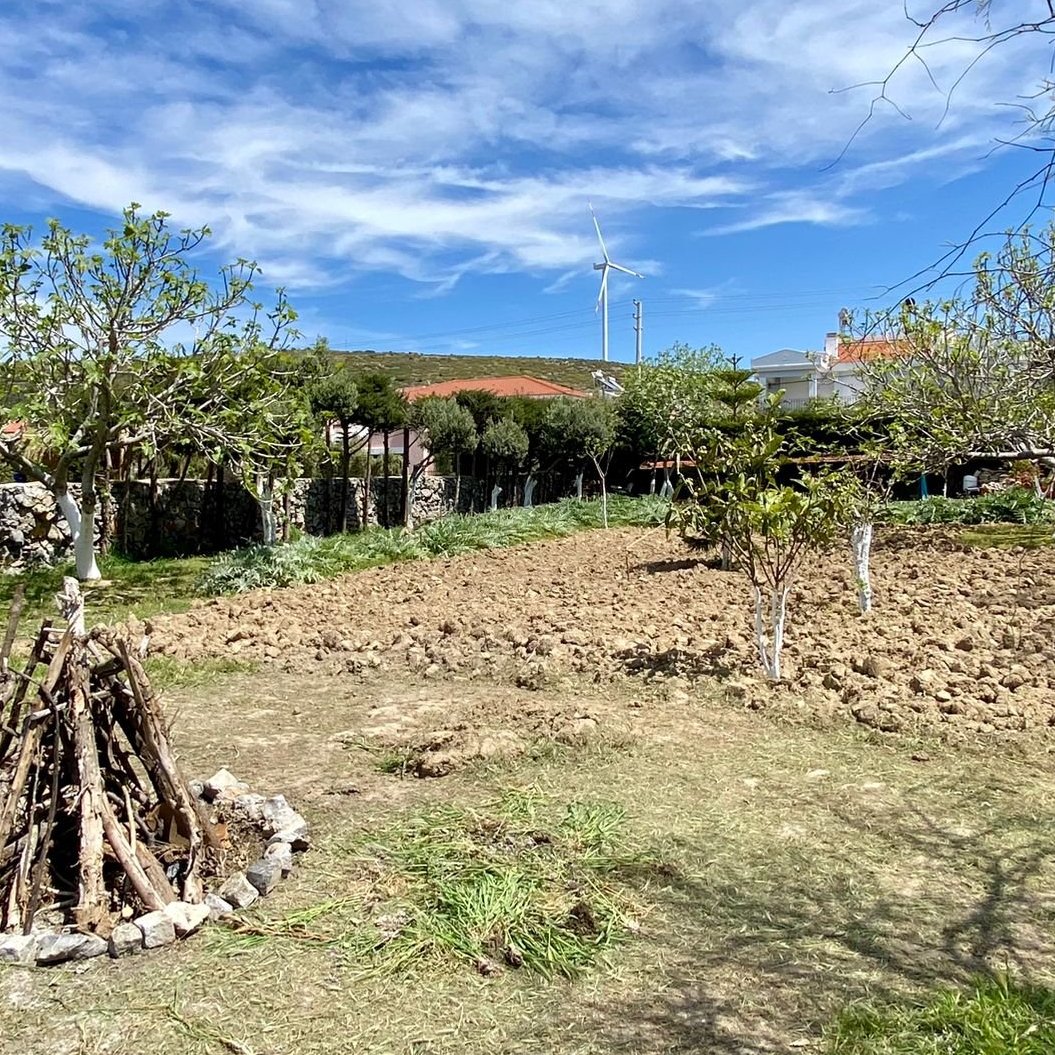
{"points": [[17, 603], [49, 825]]}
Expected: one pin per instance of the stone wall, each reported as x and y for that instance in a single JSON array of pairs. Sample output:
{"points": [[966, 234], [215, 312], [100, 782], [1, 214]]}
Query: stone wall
{"points": [[188, 517]]}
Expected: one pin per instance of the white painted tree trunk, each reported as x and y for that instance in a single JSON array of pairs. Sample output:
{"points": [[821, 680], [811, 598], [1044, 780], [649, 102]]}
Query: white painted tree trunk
{"points": [[529, 492], [861, 541], [82, 534], [265, 500], [727, 555], [769, 629], [668, 488], [495, 492], [652, 484], [578, 486]]}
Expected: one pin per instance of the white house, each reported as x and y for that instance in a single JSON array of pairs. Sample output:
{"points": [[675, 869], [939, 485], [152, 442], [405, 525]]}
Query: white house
{"points": [[834, 372]]}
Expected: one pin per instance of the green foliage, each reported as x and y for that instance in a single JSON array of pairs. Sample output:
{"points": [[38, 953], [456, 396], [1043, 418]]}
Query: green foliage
{"points": [[519, 883], [444, 425], [1016, 505], [334, 397], [579, 430], [485, 407], [381, 406], [309, 559], [995, 1016], [506, 443]]}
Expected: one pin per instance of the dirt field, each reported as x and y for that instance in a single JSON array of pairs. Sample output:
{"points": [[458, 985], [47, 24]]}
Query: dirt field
{"points": [[959, 642], [801, 864]]}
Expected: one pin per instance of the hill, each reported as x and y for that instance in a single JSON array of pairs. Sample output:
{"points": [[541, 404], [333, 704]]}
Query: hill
{"points": [[413, 368]]}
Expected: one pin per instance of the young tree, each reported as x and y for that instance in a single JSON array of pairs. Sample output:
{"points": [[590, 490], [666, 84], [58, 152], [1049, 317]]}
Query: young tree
{"points": [[583, 430], [770, 528], [506, 444], [333, 396], [445, 427], [381, 407], [93, 361], [485, 407]]}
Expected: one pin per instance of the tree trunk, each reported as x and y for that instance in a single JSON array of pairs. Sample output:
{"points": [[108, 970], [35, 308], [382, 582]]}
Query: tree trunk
{"points": [[412, 487], [386, 520], [529, 491], [495, 492], [264, 499], [457, 486], [861, 541], [405, 487], [604, 491], [346, 457], [769, 632], [366, 485], [578, 485], [82, 528]]}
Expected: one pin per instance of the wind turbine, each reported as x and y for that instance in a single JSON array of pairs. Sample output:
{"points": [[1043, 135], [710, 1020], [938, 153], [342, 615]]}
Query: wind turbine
{"points": [[604, 267]]}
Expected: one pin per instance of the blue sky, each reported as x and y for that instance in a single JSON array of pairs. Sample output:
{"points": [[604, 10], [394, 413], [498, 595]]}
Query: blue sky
{"points": [[417, 174]]}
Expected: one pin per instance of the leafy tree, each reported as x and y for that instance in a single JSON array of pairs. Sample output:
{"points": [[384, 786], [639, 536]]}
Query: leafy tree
{"points": [[734, 391], [530, 415], [768, 527], [381, 407], [506, 445], [445, 427], [583, 430], [334, 396], [93, 361]]}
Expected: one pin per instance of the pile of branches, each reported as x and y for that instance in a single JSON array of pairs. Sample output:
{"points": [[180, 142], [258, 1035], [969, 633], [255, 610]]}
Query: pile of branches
{"points": [[96, 819]]}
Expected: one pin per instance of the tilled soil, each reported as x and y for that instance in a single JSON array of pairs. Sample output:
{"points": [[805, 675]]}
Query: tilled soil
{"points": [[959, 641]]}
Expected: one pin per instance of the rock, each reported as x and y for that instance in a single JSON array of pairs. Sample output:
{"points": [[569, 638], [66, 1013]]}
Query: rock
{"points": [[866, 713], [224, 784], [295, 839], [964, 643], [19, 948], [126, 940], [157, 929], [58, 948], [264, 874], [876, 667], [283, 853], [186, 917], [238, 891], [250, 806], [218, 908], [277, 815]]}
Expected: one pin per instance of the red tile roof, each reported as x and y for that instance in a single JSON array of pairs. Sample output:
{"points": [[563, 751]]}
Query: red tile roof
{"points": [[516, 385], [12, 430], [875, 348]]}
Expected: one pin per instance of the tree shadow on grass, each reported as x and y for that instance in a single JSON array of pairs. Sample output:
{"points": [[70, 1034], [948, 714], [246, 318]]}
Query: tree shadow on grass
{"points": [[756, 955]]}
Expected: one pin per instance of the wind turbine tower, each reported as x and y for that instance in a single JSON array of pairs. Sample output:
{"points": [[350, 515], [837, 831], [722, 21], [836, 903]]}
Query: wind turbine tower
{"points": [[605, 266]]}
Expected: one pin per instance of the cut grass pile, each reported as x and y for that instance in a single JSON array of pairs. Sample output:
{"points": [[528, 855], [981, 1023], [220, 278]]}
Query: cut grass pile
{"points": [[523, 882], [310, 559], [995, 1017]]}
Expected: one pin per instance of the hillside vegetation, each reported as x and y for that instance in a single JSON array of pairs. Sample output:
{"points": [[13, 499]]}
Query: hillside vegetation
{"points": [[414, 368]]}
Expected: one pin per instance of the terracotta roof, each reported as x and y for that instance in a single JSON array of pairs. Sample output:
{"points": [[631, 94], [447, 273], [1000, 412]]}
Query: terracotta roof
{"points": [[863, 350], [11, 430], [515, 385]]}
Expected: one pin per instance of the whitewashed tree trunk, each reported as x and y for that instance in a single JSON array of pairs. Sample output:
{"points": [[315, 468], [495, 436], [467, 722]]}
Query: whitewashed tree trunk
{"points": [[727, 555], [578, 486], [265, 500], [82, 535], [529, 492], [861, 541], [769, 629], [495, 492], [652, 483], [668, 488]]}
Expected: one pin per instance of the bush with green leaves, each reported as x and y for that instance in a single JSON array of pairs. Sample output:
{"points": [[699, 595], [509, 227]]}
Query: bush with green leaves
{"points": [[1017, 505]]}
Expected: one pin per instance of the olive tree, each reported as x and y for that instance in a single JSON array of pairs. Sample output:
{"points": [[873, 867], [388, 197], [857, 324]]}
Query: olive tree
{"points": [[506, 445], [96, 354], [334, 397], [445, 427], [583, 430]]}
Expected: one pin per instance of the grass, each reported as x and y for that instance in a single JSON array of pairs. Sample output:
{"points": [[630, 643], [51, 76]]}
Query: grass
{"points": [[996, 1016], [1003, 536], [310, 559], [1017, 505]]}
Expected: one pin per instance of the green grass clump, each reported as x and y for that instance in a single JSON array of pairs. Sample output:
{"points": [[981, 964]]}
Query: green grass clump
{"points": [[309, 559], [994, 1017], [521, 883], [1018, 505]]}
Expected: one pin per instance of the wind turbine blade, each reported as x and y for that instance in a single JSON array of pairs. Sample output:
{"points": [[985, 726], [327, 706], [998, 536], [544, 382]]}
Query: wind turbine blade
{"points": [[600, 239], [625, 270], [604, 287]]}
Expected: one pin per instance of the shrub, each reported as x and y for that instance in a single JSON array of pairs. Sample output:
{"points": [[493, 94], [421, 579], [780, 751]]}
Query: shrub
{"points": [[1014, 506]]}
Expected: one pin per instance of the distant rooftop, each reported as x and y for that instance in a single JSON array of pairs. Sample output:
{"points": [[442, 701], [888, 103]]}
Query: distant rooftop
{"points": [[514, 385]]}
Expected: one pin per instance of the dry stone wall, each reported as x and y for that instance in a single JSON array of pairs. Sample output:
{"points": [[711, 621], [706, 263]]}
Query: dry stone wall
{"points": [[186, 517]]}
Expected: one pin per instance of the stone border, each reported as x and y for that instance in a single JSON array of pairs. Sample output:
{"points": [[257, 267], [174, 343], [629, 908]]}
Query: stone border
{"points": [[286, 834]]}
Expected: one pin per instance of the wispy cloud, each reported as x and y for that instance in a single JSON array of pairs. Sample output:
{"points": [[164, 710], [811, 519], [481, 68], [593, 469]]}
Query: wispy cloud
{"points": [[329, 137]]}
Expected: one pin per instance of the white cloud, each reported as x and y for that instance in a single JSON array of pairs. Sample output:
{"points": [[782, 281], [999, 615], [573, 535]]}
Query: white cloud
{"points": [[327, 137]]}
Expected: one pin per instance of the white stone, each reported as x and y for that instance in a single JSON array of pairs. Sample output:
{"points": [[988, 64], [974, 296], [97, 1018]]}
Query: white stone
{"points": [[238, 891], [283, 853], [279, 816], [19, 948], [157, 929], [186, 917], [218, 908], [58, 948], [126, 940], [224, 784]]}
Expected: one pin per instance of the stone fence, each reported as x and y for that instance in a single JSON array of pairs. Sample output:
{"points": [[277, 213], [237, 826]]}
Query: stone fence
{"points": [[187, 517]]}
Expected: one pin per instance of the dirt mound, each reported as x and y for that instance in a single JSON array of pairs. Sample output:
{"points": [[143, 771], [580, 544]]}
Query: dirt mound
{"points": [[959, 638]]}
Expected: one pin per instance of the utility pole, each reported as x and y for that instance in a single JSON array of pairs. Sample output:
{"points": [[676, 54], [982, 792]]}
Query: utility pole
{"points": [[639, 326]]}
